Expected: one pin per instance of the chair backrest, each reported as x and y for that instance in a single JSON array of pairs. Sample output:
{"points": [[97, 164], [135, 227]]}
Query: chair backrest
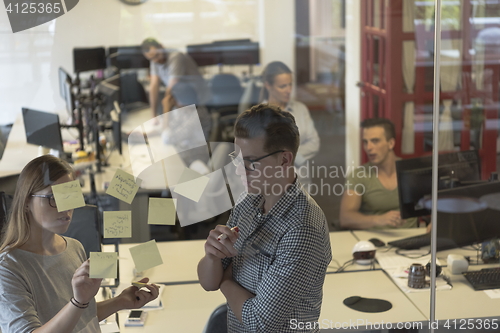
{"points": [[131, 91], [226, 90], [217, 323], [85, 227], [250, 96]]}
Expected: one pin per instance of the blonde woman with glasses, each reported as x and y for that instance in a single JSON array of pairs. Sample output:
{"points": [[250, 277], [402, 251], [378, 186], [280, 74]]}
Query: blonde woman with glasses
{"points": [[44, 277]]}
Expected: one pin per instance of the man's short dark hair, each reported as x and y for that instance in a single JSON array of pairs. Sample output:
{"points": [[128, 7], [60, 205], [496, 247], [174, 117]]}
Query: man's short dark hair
{"points": [[278, 126], [149, 43], [390, 132]]}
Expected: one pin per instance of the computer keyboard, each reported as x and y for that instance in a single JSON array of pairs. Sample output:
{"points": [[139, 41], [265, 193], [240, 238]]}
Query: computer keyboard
{"points": [[416, 242], [487, 278], [410, 243]]}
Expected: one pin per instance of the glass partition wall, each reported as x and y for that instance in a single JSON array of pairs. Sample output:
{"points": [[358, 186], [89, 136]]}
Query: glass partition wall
{"points": [[350, 60]]}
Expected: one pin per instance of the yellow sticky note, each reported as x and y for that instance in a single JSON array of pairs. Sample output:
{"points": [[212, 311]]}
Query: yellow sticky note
{"points": [[123, 186], [161, 211], [103, 265], [68, 195], [118, 224], [146, 256], [192, 188]]}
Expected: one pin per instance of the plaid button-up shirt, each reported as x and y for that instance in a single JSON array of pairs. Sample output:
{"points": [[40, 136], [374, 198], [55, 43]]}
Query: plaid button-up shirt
{"points": [[282, 259]]}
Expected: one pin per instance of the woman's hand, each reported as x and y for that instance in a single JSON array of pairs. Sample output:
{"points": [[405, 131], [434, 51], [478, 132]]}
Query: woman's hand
{"points": [[133, 298], [84, 288]]}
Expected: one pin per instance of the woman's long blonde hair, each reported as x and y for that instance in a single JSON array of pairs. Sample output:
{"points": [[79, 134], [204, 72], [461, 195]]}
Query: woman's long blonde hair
{"points": [[36, 175]]}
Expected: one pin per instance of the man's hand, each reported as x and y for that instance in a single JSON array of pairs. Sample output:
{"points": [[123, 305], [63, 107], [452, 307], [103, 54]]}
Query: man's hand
{"points": [[168, 102], [221, 246], [391, 218]]}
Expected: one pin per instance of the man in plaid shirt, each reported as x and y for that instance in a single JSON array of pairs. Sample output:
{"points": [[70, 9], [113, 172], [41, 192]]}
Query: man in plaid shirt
{"points": [[270, 259]]}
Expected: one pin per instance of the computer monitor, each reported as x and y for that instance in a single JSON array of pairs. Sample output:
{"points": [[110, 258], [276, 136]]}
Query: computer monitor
{"points": [[127, 57], [415, 178], [43, 129], [89, 59], [63, 77], [239, 52], [205, 54], [230, 52], [462, 229], [65, 91]]}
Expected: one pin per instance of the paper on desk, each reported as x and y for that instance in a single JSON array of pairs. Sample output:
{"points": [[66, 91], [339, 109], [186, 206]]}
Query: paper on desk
{"points": [[161, 211], [103, 265], [110, 327], [117, 224], [400, 276], [388, 260], [191, 185], [68, 195], [123, 186], [146, 256], [492, 293]]}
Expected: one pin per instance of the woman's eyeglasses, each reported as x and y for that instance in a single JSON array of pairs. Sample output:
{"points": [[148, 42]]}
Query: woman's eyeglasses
{"points": [[52, 200]]}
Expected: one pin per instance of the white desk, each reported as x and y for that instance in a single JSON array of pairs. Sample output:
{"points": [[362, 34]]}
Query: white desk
{"points": [[388, 235], [186, 308], [368, 284], [342, 243], [460, 302], [180, 262], [180, 258]]}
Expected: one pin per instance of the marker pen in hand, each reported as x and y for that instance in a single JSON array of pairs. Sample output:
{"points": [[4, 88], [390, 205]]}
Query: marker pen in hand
{"points": [[224, 236]]}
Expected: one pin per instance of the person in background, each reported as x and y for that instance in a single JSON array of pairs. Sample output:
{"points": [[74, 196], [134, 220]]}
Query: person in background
{"points": [[44, 277], [170, 66], [277, 90], [179, 128], [371, 197], [270, 259]]}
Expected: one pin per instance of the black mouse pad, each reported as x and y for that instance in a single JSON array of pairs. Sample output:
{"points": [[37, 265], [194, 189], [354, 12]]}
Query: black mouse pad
{"points": [[367, 304]]}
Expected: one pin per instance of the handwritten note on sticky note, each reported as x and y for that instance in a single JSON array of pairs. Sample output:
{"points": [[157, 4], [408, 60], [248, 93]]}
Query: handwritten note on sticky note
{"points": [[118, 224], [103, 265], [146, 256], [161, 211], [68, 195], [123, 186]]}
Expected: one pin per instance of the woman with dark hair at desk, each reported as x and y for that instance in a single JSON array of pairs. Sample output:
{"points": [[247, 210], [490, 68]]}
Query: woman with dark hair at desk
{"points": [[44, 277], [277, 90]]}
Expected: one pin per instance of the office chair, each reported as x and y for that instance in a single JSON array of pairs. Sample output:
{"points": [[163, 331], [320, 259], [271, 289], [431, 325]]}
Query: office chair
{"points": [[226, 91], [217, 322], [250, 96], [223, 120], [132, 93], [85, 227]]}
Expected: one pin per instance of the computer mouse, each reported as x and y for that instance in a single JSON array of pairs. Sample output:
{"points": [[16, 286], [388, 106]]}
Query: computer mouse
{"points": [[351, 300], [377, 242]]}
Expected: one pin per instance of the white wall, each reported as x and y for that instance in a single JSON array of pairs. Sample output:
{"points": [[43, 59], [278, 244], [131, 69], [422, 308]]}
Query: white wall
{"points": [[29, 60], [353, 75], [277, 31]]}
